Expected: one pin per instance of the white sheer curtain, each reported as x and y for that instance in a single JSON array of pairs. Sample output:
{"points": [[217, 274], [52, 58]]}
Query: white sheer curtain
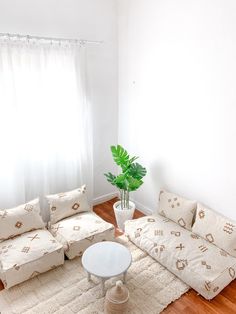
{"points": [[45, 127]]}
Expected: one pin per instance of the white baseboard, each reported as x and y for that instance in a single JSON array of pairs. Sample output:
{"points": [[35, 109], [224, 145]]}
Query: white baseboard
{"points": [[104, 198], [142, 208]]}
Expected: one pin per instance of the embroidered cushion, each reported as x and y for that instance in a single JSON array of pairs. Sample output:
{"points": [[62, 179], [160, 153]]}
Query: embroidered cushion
{"points": [[216, 229], [20, 219], [202, 265], [66, 204], [28, 255], [77, 233], [177, 208]]}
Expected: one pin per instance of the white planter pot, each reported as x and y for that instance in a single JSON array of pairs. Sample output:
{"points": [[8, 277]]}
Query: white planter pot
{"points": [[123, 214]]}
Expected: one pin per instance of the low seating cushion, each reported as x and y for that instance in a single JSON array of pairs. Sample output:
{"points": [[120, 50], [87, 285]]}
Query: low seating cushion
{"points": [[27, 255], [66, 204], [20, 219], [78, 232], [216, 229], [177, 208], [200, 264]]}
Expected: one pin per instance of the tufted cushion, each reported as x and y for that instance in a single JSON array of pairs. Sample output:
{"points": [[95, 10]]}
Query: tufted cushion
{"points": [[20, 219], [202, 265], [177, 208], [66, 204], [216, 229], [80, 231]]}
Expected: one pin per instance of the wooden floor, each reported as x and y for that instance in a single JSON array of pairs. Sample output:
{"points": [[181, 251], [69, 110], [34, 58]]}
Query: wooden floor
{"points": [[190, 303]]}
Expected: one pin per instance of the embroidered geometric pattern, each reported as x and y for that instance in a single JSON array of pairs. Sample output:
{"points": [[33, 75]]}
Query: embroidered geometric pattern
{"points": [[216, 289], [208, 285], [137, 233], [180, 247], [231, 272], [25, 249], [28, 207], [229, 228], [204, 263], [166, 220], [151, 220], [194, 236], [53, 208], [174, 202], [34, 237], [162, 213], [209, 237], [159, 248], [90, 238], [201, 214], [181, 222], [18, 224], [158, 232], [203, 248], [176, 233], [181, 264], [75, 206], [76, 228], [35, 273]]}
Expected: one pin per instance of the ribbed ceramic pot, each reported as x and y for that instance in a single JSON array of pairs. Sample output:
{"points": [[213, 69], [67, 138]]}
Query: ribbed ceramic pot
{"points": [[123, 214]]}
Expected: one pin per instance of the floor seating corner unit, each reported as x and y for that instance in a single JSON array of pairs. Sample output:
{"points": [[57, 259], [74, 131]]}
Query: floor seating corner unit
{"points": [[202, 255]]}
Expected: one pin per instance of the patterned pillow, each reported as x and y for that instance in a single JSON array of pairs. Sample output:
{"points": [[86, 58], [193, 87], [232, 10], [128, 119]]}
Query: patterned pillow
{"points": [[20, 219], [66, 204], [216, 229], [177, 208]]}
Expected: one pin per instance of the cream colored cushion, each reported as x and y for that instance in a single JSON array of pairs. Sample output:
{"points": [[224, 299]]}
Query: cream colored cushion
{"points": [[20, 219], [79, 232], [216, 229], [202, 265], [27, 255], [177, 208], [66, 204]]}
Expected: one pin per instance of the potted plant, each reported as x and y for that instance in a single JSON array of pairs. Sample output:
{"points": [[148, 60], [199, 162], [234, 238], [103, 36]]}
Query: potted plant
{"points": [[130, 179]]}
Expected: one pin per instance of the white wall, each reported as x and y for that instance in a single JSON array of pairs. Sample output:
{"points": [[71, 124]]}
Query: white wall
{"points": [[177, 97], [88, 19]]}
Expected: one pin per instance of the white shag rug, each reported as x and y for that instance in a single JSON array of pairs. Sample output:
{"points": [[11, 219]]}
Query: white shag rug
{"points": [[65, 290]]}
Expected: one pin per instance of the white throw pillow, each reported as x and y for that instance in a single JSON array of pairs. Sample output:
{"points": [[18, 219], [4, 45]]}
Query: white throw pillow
{"points": [[177, 208], [216, 229], [20, 219], [66, 204]]}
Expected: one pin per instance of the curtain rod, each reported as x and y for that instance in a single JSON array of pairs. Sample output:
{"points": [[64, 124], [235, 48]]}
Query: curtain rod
{"points": [[28, 37]]}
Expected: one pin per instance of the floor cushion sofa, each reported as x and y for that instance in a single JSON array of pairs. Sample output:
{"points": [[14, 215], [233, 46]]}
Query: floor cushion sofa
{"points": [[78, 232], [199, 253], [74, 224], [26, 247]]}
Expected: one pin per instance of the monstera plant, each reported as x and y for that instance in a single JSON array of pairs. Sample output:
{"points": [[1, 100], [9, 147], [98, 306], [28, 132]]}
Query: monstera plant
{"points": [[130, 179]]}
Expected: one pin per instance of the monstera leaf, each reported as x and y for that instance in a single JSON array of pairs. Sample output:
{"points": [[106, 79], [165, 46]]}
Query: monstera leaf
{"points": [[110, 178], [120, 156], [137, 171], [134, 184]]}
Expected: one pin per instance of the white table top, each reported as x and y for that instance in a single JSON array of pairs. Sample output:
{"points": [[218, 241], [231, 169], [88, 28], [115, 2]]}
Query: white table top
{"points": [[106, 259]]}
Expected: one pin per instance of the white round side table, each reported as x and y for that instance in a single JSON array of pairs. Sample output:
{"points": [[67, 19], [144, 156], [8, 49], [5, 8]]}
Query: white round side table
{"points": [[105, 260]]}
